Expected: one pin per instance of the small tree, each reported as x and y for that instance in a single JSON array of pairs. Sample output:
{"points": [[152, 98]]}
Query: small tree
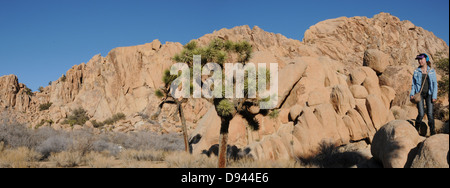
{"points": [[166, 97], [219, 51]]}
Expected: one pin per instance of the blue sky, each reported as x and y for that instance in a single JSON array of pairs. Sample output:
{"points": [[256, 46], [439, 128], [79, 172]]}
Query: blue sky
{"points": [[41, 40]]}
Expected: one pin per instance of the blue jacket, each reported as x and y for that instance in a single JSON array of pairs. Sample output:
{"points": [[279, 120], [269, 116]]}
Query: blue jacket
{"points": [[417, 83]]}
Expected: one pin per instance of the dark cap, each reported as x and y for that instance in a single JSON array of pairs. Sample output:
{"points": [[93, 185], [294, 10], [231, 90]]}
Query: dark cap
{"points": [[421, 56]]}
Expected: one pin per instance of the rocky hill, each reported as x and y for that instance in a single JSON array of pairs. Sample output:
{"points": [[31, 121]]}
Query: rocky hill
{"points": [[341, 84]]}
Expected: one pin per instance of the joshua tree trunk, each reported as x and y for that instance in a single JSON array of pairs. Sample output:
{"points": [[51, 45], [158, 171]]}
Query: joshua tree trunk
{"points": [[223, 141], [180, 113], [183, 123]]}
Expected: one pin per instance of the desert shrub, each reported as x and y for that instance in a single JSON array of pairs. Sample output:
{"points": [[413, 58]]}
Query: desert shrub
{"points": [[274, 114], [43, 121], [78, 117], [268, 163], [99, 160], [83, 141], [442, 66], [114, 119], [28, 91], [102, 145], [45, 106], [54, 144], [97, 124], [149, 140], [142, 155], [159, 93], [441, 112], [169, 142], [15, 135], [67, 159], [63, 78], [181, 159]]}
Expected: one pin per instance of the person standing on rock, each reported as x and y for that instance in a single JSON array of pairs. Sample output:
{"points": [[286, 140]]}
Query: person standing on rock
{"points": [[429, 90]]}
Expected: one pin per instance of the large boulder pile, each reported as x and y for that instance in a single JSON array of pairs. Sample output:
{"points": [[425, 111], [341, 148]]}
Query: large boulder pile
{"points": [[320, 107], [351, 39], [341, 84], [342, 90]]}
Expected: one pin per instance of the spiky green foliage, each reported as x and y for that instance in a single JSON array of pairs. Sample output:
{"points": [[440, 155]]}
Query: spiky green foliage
{"points": [[216, 51], [167, 78], [191, 45], [244, 49], [159, 93], [225, 108], [228, 46]]}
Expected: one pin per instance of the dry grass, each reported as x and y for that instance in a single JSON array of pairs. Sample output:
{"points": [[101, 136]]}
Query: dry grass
{"points": [[185, 160], [142, 155], [100, 160], [18, 158], [67, 159], [251, 163], [47, 148], [26, 158]]}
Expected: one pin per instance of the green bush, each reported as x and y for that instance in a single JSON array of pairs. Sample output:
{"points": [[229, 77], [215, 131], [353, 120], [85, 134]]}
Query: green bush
{"points": [[159, 93], [97, 124], [45, 106], [43, 121], [443, 84], [78, 117], [274, 114], [63, 78], [115, 118]]}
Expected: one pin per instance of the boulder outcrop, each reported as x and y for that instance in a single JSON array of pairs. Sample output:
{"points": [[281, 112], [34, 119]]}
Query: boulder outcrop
{"points": [[347, 39], [341, 84], [393, 143], [433, 153]]}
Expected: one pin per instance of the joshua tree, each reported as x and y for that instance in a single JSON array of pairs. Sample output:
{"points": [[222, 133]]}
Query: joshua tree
{"points": [[166, 97], [219, 51]]}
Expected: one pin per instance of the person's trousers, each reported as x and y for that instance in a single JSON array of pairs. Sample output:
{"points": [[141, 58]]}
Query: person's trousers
{"points": [[426, 99]]}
